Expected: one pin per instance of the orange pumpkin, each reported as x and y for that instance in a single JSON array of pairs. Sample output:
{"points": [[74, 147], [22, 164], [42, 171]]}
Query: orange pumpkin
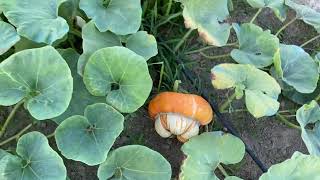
{"points": [[179, 114]]}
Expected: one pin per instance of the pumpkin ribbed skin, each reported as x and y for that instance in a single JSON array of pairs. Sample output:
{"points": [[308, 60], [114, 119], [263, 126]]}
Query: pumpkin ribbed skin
{"points": [[189, 105]]}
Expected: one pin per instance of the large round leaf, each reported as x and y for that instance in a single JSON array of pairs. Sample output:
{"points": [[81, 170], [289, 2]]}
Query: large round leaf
{"points": [[118, 16], [300, 166], [89, 138], [309, 114], [305, 13], [277, 6], [296, 68], [206, 151], [135, 162], [8, 38], [35, 159], [81, 98], [36, 20], [121, 75], [257, 47], [141, 43], [41, 78], [208, 17], [260, 89]]}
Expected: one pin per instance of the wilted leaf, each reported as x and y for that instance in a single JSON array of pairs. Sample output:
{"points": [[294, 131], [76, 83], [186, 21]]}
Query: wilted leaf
{"points": [[35, 160], [206, 151], [208, 16], [309, 114], [121, 75], [296, 68], [81, 98], [260, 89], [135, 162], [89, 138], [305, 13], [257, 47], [46, 88], [8, 38], [36, 20], [277, 6], [118, 16], [300, 166]]}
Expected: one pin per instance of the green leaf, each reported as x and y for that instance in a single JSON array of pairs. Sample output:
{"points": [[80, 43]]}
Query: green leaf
{"points": [[118, 16], [135, 162], [301, 98], [121, 75], [208, 16], [81, 98], [257, 47], [309, 114], [46, 88], [35, 160], [305, 13], [36, 20], [206, 151], [25, 43], [300, 166], [69, 10], [296, 68], [89, 138], [8, 38], [277, 6], [143, 44], [260, 89], [232, 178]]}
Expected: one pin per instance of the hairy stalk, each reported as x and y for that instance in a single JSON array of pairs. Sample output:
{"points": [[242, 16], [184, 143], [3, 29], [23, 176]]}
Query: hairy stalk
{"points": [[310, 41], [235, 44], [227, 103], [256, 15], [215, 57], [223, 171], [169, 8], [51, 135], [286, 122], [286, 25], [17, 136], [185, 37], [10, 117]]}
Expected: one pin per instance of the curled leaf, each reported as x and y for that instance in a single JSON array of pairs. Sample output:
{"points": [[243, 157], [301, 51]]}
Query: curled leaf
{"points": [[89, 138], [309, 114], [208, 16], [260, 89], [206, 151], [257, 47], [36, 20], [135, 162]]}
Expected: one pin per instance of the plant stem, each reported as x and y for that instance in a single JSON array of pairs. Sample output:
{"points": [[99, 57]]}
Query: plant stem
{"points": [[309, 41], [209, 47], [256, 15], [17, 136], [76, 33], [286, 122], [10, 117], [169, 18], [227, 103], [185, 37], [317, 98], [51, 135], [286, 25], [161, 76], [223, 171], [169, 8], [176, 85], [215, 57]]}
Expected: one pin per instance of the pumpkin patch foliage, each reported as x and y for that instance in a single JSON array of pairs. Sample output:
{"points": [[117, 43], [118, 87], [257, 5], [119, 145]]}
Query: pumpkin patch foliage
{"points": [[91, 70]]}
